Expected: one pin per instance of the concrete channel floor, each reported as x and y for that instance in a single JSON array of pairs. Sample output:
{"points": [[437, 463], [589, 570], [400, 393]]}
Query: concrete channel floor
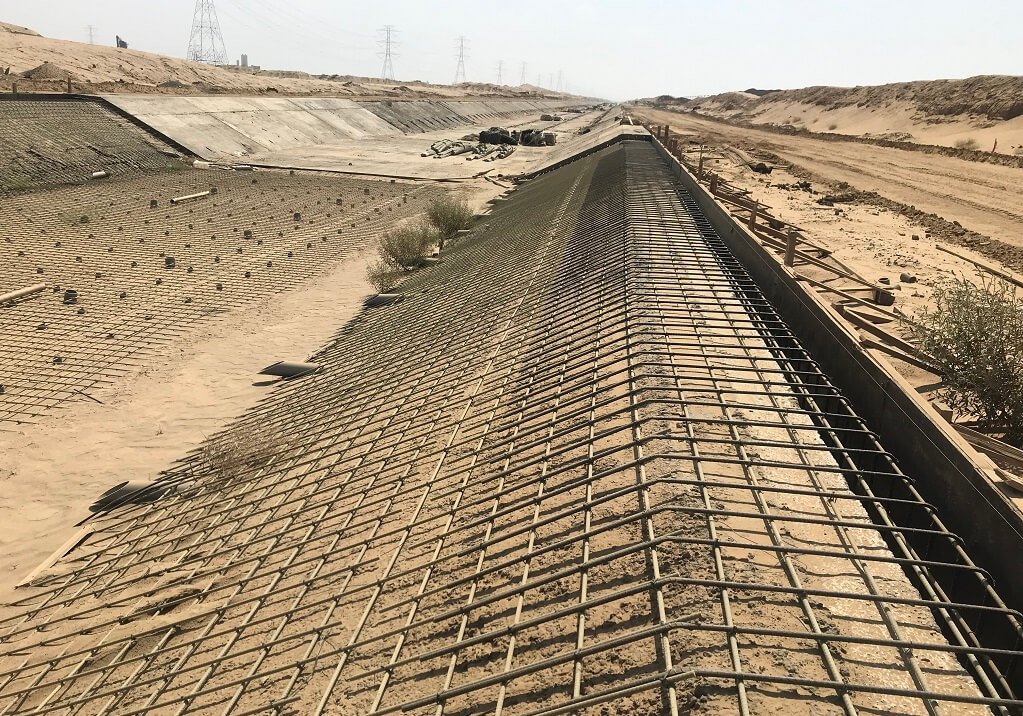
{"points": [[400, 156]]}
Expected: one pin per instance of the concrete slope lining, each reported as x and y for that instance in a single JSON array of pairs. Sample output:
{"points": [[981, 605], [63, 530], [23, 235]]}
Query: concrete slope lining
{"points": [[238, 126], [216, 127], [610, 479]]}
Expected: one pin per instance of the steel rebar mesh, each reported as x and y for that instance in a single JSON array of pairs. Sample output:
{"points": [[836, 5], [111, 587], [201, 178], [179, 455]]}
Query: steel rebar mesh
{"points": [[583, 466]]}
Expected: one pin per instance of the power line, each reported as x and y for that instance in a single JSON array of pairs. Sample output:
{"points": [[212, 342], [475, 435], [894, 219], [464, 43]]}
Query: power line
{"points": [[387, 73], [206, 42], [92, 34], [500, 71], [559, 81], [522, 77], [460, 69]]}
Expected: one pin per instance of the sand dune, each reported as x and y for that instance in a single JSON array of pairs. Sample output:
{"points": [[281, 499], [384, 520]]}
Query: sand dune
{"points": [[978, 111], [100, 69]]}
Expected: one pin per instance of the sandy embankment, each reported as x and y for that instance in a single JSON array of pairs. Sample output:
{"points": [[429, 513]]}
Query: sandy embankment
{"points": [[975, 112], [986, 198], [100, 69]]}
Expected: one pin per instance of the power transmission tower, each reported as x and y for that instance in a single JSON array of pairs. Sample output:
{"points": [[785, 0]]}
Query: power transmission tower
{"points": [[92, 34], [206, 43], [522, 77], [559, 81], [460, 69], [500, 71], [388, 42]]}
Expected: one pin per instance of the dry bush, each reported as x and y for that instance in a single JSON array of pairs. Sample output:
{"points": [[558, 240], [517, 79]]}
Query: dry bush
{"points": [[241, 449], [381, 276], [449, 216], [403, 248], [975, 333], [968, 143]]}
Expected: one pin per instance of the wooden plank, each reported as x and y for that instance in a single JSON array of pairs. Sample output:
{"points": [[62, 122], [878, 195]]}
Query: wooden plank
{"points": [[978, 439], [987, 266], [866, 324], [848, 296], [895, 352], [76, 540]]}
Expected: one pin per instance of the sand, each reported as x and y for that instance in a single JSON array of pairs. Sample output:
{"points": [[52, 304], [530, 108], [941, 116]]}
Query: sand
{"points": [[98, 69], [53, 471], [983, 197], [978, 110]]}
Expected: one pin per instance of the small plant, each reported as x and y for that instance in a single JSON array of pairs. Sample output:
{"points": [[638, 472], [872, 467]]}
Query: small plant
{"points": [[967, 143], [381, 276], [403, 248], [975, 334], [449, 216]]}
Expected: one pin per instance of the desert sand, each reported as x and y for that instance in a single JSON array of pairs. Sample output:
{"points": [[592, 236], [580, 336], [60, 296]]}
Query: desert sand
{"points": [[977, 111], [99, 69], [985, 198]]}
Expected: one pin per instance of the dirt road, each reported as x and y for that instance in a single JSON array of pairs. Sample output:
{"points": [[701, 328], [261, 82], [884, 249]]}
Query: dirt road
{"points": [[983, 197]]}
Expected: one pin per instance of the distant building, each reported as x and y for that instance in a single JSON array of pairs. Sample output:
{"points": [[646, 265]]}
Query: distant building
{"points": [[245, 60]]}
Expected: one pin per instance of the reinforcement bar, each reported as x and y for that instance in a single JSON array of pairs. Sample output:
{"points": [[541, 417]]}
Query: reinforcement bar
{"points": [[583, 462]]}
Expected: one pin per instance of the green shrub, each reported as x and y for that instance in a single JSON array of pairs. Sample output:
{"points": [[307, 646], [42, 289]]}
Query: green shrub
{"points": [[403, 248], [968, 143], [975, 334], [449, 216]]}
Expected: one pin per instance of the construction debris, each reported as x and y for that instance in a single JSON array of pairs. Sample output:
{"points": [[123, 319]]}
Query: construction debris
{"points": [[494, 143]]}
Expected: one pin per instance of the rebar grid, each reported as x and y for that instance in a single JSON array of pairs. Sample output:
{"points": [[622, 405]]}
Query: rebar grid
{"points": [[582, 464], [259, 234], [64, 140]]}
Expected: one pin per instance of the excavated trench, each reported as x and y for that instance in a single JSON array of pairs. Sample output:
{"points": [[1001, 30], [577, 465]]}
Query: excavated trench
{"points": [[583, 467]]}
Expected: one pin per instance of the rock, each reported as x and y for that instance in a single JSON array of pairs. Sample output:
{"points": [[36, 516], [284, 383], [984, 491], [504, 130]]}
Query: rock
{"points": [[915, 237]]}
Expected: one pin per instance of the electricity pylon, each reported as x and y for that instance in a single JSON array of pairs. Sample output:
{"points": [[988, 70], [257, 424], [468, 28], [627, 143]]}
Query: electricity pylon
{"points": [[206, 43]]}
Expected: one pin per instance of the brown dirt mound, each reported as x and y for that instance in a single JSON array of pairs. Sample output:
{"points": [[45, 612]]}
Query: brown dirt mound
{"points": [[17, 29], [995, 97], [47, 71]]}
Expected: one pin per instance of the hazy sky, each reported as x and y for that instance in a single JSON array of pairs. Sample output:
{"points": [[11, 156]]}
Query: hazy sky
{"points": [[616, 49]]}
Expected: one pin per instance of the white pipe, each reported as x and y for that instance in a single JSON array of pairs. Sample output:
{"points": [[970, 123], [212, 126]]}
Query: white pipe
{"points": [[179, 199], [22, 292]]}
